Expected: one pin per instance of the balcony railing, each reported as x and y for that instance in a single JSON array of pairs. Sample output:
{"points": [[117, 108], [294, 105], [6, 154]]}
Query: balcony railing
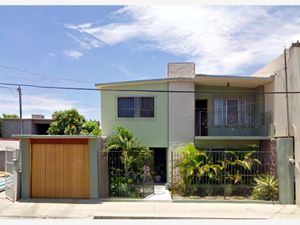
{"points": [[207, 125]]}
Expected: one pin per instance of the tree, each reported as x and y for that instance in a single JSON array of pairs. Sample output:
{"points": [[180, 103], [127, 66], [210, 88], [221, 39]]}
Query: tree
{"points": [[134, 155], [9, 116], [91, 127], [70, 122]]}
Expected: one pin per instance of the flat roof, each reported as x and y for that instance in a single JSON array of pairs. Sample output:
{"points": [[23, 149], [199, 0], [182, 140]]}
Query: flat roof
{"points": [[232, 81], [200, 79], [148, 81]]}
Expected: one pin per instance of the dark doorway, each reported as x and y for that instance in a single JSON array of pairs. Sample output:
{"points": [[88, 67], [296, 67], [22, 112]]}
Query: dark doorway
{"points": [[201, 117], [42, 128], [160, 165]]}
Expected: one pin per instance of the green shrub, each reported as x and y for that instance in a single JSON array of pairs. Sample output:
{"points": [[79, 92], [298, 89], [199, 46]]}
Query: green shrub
{"points": [[265, 187]]}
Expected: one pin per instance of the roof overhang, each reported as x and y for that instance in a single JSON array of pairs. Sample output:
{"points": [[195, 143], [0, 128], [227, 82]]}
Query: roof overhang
{"points": [[140, 82], [232, 81]]}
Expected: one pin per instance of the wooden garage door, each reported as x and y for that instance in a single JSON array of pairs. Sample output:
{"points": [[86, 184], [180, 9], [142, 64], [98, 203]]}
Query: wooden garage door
{"points": [[59, 170]]}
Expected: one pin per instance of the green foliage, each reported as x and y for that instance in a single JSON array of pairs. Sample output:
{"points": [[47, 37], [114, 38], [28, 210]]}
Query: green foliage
{"points": [[134, 155], [195, 163], [67, 122], [70, 122], [91, 127], [123, 186], [233, 160], [265, 187], [9, 116]]}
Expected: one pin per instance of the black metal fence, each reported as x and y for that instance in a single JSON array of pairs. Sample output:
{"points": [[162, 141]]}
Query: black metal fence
{"points": [[227, 173], [137, 184]]}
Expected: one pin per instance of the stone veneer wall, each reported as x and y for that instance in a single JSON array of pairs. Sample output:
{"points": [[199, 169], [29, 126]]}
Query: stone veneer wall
{"points": [[269, 161]]}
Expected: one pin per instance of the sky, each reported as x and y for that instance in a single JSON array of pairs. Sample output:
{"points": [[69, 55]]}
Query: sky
{"points": [[80, 46]]}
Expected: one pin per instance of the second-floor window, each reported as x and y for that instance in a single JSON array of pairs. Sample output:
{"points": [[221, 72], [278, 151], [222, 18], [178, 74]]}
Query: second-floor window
{"points": [[232, 111], [135, 107]]}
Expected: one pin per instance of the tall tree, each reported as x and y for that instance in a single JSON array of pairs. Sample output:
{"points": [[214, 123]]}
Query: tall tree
{"points": [[67, 122]]}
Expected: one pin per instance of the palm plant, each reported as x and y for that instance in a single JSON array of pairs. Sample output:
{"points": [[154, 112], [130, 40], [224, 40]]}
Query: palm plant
{"points": [[195, 163], [134, 155], [265, 187]]}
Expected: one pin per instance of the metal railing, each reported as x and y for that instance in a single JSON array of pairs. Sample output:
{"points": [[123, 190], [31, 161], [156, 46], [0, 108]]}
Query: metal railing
{"points": [[256, 125], [224, 173], [128, 185]]}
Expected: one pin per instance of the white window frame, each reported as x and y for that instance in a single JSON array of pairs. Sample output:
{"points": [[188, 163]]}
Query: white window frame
{"points": [[224, 119]]}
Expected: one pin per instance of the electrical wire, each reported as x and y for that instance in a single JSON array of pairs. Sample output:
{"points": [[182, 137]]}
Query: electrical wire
{"points": [[148, 90]]}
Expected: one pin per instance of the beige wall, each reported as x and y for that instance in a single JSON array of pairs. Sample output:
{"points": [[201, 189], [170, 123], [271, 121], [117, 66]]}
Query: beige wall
{"points": [[181, 113], [276, 104], [294, 103]]}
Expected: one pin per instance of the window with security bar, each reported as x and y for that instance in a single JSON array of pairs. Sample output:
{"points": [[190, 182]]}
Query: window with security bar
{"points": [[232, 111], [136, 107]]}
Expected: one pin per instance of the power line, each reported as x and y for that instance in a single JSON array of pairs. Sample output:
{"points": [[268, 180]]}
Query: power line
{"points": [[39, 74], [147, 90]]}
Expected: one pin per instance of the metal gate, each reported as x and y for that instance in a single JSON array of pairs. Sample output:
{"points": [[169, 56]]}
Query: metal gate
{"points": [[11, 169]]}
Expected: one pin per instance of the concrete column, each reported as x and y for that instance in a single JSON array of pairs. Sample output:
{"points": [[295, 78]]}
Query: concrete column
{"points": [[103, 172], [181, 108], [285, 170]]}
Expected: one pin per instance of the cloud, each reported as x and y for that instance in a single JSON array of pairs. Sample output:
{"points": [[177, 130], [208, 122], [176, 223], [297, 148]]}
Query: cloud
{"points": [[218, 39], [73, 54], [124, 70], [52, 54]]}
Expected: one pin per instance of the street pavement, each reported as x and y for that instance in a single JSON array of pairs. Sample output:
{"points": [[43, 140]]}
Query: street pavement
{"points": [[91, 209]]}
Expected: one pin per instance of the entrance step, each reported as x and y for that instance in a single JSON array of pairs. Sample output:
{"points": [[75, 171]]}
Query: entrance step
{"points": [[160, 193], [159, 189]]}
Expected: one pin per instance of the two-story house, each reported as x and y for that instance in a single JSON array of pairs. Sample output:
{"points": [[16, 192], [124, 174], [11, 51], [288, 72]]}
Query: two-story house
{"points": [[209, 111]]}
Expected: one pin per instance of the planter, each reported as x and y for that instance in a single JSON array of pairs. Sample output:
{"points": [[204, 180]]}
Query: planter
{"points": [[157, 178]]}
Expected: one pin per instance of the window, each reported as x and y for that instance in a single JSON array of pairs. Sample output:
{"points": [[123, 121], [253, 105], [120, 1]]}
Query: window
{"points": [[126, 107], [233, 111], [135, 107]]}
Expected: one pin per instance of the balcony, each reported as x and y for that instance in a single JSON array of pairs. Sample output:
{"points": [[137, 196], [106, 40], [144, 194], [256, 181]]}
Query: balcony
{"points": [[250, 127]]}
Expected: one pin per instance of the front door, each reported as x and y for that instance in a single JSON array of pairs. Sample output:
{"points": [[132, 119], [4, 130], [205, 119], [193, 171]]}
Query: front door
{"points": [[201, 117], [160, 162]]}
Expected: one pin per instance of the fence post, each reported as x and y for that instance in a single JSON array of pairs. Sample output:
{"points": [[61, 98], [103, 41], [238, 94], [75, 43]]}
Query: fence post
{"points": [[172, 179], [224, 173]]}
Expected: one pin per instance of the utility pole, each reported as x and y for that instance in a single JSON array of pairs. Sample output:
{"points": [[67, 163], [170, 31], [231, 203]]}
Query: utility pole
{"points": [[20, 108], [286, 94]]}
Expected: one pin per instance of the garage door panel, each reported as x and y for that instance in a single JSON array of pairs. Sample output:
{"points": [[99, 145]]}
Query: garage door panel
{"points": [[38, 175], [76, 171], [64, 172]]}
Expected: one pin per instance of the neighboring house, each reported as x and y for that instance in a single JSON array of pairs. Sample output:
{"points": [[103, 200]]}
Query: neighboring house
{"points": [[211, 112], [7, 145], [35, 125], [284, 110]]}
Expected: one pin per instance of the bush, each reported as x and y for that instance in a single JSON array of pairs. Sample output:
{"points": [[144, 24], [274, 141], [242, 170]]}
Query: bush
{"points": [[265, 188]]}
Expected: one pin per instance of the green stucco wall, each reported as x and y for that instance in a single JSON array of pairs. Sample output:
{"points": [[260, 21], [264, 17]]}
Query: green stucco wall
{"points": [[285, 170], [94, 146], [256, 129], [152, 132], [25, 176]]}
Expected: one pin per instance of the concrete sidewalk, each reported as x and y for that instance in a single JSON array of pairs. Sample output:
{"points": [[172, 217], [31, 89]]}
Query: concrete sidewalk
{"points": [[143, 209]]}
